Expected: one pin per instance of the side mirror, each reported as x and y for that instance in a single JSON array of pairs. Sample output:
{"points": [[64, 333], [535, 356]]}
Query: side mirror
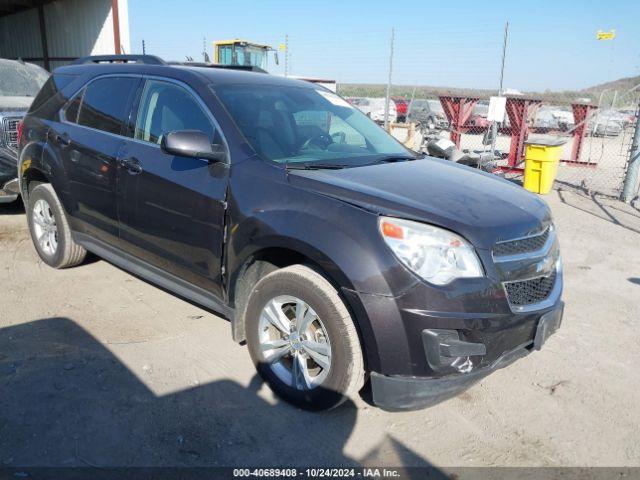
{"points": [[194, 144]]}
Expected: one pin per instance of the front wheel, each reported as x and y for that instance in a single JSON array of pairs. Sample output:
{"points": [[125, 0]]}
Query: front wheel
{"points": [[302, 339]]}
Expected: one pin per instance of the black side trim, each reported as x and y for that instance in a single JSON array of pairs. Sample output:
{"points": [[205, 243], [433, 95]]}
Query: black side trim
{"points": [[154, 274]]}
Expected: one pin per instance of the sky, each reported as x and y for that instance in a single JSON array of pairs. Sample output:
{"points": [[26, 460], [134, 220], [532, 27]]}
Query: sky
{"points": [[551, 44]]}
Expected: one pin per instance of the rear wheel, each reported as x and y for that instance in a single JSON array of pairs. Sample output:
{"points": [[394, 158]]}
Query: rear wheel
{"points": [[50, 230], [302, 339]]}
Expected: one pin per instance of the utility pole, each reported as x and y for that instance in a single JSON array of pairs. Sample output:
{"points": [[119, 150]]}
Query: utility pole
{"points": [[386, 103], [144, 50], [413, 96], [286, 55], [494, 126], [504, 54], [630, 187]]}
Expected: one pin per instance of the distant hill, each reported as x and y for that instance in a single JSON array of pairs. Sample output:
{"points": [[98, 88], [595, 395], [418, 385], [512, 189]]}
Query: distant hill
{"points": [[622, 85], [378, 90]]}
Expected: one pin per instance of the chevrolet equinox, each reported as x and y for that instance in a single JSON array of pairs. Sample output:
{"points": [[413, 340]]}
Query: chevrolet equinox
{"points": [[339, 256]]}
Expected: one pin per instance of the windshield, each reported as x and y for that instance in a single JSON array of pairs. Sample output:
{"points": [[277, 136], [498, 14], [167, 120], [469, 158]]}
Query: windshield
{"points": [[21, 79], [306, 125], [251, 56]]}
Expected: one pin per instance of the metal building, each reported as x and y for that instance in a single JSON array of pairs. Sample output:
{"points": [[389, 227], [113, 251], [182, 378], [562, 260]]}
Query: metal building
{"points": [[54, 32]]}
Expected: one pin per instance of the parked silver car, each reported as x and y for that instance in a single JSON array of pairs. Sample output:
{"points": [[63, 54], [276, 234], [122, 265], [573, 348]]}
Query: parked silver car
{"points": [[607, 123], [427, 111]]}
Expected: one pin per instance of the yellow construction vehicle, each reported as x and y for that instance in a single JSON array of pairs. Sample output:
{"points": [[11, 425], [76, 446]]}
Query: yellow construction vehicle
{"points": [[255, 55], [244, 53]]}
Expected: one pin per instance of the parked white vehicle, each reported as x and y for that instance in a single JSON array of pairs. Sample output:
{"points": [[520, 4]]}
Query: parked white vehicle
{"points": [[606, 123], [550, 117], [374, 108]]}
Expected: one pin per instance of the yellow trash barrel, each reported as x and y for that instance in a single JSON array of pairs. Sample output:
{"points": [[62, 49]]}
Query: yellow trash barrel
{"points": [[541, 159]]}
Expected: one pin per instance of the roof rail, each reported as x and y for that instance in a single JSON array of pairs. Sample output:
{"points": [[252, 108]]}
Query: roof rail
{"points": [[247, 68], [144, 59]]}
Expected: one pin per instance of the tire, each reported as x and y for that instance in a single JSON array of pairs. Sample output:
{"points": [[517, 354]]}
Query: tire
{"points": [[58, 250], [345, 375]]}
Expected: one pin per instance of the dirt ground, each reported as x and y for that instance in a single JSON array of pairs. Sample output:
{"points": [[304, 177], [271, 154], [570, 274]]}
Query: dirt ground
{"points": [[98, 368]]}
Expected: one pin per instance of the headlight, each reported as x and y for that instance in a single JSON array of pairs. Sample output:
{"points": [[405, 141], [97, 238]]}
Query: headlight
{"points": [[434, 254]]}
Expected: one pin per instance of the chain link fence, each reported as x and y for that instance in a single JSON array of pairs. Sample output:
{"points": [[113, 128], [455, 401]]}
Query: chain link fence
{"points": [[596, 131], [596, 124]]}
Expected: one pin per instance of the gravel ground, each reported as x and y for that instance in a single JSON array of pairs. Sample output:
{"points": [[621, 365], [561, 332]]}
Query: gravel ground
{"points": [[98, 368]]}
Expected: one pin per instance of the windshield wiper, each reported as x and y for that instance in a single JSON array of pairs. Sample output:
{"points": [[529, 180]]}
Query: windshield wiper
{"points": [[315, 166], [393, 159]]}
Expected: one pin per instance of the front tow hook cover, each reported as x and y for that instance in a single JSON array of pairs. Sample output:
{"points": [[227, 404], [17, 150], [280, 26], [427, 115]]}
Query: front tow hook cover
{"points": [[443, 347]]}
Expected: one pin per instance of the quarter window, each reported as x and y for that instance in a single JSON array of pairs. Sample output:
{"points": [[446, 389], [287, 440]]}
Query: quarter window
{"points": [[71, 110], [166, 107], [104, 104]]}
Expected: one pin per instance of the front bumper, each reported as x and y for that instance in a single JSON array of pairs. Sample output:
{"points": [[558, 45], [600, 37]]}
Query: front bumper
{"points": [[408, 393]]}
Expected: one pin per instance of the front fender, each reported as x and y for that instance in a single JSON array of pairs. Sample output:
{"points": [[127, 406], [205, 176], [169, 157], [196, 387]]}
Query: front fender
{"points": [[341, 238]]}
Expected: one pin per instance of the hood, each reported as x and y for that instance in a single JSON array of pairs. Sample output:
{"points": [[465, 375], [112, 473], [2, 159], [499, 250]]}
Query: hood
{"points": [[10, 104], [479, 206]]}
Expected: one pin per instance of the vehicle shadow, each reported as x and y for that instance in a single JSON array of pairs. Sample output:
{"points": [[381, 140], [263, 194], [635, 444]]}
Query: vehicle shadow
{"points": [[618, 213], [67, 401], [13, 208], [635, 280]]}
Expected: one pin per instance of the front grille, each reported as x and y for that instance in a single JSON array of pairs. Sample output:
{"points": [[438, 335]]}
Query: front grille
{"points": [[11, 132], [528, 292], [521, 245]]}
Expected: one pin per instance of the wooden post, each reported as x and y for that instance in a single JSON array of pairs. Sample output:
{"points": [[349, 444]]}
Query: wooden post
{"points": [[115, 14]]}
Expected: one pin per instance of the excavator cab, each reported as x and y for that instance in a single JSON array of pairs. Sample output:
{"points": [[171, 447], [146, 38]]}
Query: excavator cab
{"points": [[243, 53]]}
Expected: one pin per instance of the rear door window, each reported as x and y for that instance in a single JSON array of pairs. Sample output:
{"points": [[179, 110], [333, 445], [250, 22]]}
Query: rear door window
{"points": [[105, 104]]}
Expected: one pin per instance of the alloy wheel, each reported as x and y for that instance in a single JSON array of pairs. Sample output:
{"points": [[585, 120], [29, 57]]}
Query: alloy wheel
{"points": [[294, 342], [44, 227]]}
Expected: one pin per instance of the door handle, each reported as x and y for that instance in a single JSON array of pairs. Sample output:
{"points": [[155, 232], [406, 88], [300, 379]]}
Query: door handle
{"points": [[62, 139], [131, 164]]}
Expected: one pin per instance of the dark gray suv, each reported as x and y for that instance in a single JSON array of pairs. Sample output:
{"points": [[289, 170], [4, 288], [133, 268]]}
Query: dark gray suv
{"points": [[339, 256]]}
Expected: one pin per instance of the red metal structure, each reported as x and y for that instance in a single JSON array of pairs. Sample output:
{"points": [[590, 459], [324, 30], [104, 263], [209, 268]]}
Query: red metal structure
{"points": [[458, 109], [519, 110], [581, 114]]}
